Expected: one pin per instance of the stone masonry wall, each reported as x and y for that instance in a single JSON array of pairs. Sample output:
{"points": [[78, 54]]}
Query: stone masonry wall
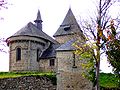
{"points": [[22, 64], [44, 65], [69, 77], [65, 38], [28, 62], [27, 83], [28, 54]]}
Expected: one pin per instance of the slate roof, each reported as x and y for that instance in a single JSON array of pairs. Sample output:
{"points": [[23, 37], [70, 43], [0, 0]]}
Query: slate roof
{"points": [[31, 30], [38, 16], [69, 21], [50, 52], [67, 46]]}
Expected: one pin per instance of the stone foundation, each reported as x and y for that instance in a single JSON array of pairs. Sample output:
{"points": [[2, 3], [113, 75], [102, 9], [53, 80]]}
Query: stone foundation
{"points": [[27, 83]]}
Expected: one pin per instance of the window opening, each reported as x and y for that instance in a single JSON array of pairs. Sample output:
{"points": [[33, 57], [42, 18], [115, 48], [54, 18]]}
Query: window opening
{"points": [[52, 62], [18, 54], [74, 65], [38, 55], [66, 28]]}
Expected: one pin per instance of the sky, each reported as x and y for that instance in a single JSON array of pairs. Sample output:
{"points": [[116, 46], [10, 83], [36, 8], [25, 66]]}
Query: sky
{"points": [[20, 12]]}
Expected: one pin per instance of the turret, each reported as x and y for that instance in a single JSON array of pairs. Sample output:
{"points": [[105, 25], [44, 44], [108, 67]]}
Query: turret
{"points": [[38, 21], [68, 29]]}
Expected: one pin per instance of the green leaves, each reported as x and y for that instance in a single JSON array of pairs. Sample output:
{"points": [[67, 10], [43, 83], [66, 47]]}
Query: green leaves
{"points": [[85, 53], [113, 53]]}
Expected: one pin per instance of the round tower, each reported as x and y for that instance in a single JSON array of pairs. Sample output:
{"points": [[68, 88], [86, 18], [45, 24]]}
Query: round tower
{"points": [[26, 46]]}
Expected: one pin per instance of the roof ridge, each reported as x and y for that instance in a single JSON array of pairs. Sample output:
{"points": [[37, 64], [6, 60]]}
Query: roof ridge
{"points": [[31, 30]]}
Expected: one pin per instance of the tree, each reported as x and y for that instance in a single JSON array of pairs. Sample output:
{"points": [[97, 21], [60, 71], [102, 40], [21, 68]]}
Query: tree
{"points": [[2, 45], [103, 21], [113, 55], [113, 50], [86, 52], [3, 4]]}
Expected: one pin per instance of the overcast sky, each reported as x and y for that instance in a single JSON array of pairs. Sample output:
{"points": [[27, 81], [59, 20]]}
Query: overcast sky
{"points": [[20, 12]]}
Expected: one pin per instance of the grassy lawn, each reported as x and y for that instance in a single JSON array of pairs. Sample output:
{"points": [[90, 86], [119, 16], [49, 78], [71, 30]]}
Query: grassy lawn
{"points": [[108, 80], [19, 74], [51, 76]]}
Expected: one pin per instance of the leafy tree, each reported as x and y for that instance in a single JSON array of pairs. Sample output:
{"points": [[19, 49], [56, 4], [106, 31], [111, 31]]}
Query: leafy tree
{"points": [[97, 35], [85, 52], [113, 50], [113, 55]]}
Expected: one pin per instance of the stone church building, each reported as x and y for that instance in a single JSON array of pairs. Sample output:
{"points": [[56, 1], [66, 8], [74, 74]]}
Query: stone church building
{"points": [[31, 49]]}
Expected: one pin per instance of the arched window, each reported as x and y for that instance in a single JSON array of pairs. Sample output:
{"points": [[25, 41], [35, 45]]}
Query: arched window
{"points": [[18, 54]]}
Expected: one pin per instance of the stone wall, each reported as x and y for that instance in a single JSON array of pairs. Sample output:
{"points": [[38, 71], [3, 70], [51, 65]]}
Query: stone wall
{"points": [[72, 81], [70, 77], [28, 62], [27, 83], [22, 64], [65, 38], [44, 65], [29, 48]]}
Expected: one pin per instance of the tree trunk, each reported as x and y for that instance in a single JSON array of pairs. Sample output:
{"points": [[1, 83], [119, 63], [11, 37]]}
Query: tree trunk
{"points": [[98, 69], [98, 46]]}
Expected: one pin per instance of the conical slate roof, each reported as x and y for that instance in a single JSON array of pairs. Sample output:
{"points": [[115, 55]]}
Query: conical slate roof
{"points": [[31, 30], [38, 16], [68, 26]]}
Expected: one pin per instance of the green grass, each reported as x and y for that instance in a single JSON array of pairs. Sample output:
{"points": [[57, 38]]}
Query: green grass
{"points": [[108, 80], [19, 74], [51, 76]]}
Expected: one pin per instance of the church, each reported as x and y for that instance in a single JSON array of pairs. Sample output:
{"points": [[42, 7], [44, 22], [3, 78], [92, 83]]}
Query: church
{"points": [[31, 49]]}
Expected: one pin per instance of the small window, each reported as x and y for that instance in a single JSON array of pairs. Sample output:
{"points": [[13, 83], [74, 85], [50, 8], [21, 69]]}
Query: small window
{"points": [[66, 28], [52, 62], [74, 65], [38, 55], [18, 54]]}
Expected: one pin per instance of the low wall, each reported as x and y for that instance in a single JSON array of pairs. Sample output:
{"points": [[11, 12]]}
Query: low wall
{"points": [[27, 83]]}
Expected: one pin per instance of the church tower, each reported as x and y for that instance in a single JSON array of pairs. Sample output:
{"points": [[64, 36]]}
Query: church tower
{"points": [[68, 29], [69, 69]]}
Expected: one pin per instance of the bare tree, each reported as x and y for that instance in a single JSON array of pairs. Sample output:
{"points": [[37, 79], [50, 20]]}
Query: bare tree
{"points": [[3, 4], [2, 45]]}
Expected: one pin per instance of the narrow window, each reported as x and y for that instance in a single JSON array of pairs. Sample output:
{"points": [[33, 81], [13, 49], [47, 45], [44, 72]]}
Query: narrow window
{"points": [[74, 66], [38, 55], [52, 62], [18, 54]]}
